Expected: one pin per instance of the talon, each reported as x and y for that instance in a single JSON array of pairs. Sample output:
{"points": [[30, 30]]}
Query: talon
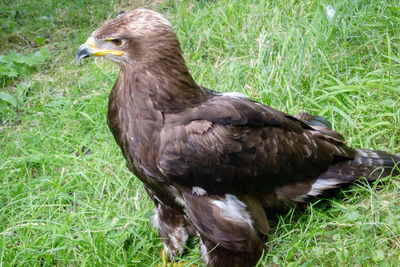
{"points": [[163, 257], [171, 264]]}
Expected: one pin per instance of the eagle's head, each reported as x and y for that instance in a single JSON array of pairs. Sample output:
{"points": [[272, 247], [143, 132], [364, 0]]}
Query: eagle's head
{"points": [[139, 37]]}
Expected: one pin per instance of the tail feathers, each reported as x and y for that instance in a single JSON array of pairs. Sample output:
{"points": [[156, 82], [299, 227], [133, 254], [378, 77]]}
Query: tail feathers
{"points": [[368, 163], [377, 163]]}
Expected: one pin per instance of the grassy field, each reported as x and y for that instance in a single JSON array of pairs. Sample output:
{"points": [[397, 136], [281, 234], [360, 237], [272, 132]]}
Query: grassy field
{"points": [[66, 196]]}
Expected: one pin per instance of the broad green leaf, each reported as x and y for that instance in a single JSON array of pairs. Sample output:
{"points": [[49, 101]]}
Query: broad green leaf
{"points": [[9, 98]]}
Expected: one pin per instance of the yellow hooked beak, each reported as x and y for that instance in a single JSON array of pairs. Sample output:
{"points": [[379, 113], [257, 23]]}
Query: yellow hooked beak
{"points": [[89, 49]]}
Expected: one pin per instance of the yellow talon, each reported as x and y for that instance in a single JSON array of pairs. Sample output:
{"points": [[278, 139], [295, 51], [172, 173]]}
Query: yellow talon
{"points": [[171, 264]]}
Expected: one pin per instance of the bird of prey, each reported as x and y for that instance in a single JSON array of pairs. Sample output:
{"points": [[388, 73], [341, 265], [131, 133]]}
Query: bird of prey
{"points": [[215, 164]]}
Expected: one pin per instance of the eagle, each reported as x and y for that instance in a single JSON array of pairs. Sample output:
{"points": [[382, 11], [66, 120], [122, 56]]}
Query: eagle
{"points": [[216, 165]]}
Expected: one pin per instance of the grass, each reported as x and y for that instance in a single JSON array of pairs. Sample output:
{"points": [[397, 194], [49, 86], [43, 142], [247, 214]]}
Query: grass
{"points": [[66, 196]]}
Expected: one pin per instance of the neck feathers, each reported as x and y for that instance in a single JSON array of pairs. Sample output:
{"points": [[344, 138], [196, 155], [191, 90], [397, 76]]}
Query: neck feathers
{"points": [[166, 83]]}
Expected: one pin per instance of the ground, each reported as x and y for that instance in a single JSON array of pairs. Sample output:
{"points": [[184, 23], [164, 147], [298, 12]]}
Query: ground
{"points": [[66, 196]]}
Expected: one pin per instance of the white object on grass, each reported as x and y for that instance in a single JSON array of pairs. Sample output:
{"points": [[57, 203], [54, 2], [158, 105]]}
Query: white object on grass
{"points": [[330, 12]]}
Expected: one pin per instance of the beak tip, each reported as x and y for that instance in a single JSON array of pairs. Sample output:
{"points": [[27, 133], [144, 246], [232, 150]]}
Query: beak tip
{"points": [[82, 53], [78, 60]]}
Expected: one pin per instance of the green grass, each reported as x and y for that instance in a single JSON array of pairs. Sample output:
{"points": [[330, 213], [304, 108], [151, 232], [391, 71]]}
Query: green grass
{"points": [[66, 196]]}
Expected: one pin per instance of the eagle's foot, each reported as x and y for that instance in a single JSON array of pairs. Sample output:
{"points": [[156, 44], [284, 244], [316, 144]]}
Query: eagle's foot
{"points": [[165, 263]]}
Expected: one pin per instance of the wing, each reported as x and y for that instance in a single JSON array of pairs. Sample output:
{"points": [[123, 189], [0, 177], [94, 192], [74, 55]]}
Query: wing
{"points": [[228, 145]]}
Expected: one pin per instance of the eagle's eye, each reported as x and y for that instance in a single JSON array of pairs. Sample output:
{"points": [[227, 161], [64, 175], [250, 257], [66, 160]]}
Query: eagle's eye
{"points": [[115, 41]]}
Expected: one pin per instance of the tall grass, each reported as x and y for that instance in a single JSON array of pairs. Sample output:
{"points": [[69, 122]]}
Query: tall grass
{"points": [[66, 197]]}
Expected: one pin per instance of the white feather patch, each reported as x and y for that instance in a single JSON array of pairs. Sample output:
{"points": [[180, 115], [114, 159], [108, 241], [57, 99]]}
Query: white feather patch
{"points": [[203, 252], [198, 191], [367, 153], [156, 218], [317, 188], [233, 209], [322, 184], [179, 201], [178, 196], [178, 238], [234, 95]]}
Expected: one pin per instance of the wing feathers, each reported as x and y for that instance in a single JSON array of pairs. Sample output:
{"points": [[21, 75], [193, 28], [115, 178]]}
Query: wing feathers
{"points": [[198, 127], [235, 145]]}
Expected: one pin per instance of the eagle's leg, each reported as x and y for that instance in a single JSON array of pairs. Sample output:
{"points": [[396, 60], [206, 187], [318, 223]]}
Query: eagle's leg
{"points": [[173, 228], [218, 256], [232, 229]]}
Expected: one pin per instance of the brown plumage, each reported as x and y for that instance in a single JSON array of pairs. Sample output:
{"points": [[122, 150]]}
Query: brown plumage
{"points": [[214, 164]]}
